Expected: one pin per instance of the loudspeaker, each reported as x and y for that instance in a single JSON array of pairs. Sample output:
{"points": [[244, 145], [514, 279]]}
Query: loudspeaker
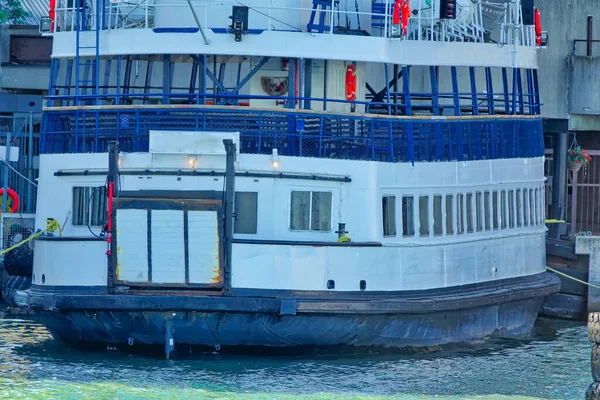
{"points": [[528, 12]]}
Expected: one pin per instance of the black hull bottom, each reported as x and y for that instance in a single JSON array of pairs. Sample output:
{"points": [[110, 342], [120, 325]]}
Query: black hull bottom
{"points": [[427, 320], [245, 329]]}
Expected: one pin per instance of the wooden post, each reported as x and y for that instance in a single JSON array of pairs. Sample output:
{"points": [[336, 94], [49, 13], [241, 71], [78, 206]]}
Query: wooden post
{"points": [[591, 245]]}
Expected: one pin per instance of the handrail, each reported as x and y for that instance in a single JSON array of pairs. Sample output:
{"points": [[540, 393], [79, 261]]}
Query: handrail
{"points": [[376, 21]]}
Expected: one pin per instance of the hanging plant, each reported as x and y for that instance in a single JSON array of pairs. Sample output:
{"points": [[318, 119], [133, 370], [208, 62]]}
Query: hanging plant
{"points": [[578, 158]]}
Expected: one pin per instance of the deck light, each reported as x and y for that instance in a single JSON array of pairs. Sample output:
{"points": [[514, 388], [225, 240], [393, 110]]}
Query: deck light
{"points": [[192, 161], [275, 159]]}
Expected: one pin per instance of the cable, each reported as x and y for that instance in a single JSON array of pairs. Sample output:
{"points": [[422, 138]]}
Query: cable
{"points": [[267, 15], [17, 172], [573, 278], [51, 226]]}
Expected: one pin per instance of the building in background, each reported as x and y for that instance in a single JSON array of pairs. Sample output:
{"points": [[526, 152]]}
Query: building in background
{"points": [[570, 87], [24, 73]]}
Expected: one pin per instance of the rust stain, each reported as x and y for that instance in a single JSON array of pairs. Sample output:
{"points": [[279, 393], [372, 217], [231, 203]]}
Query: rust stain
{"points": [[216, 278]]}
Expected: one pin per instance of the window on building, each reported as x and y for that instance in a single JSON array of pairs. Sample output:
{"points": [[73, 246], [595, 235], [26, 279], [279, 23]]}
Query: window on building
{"points": [[89, 205], [388, 207], [449, 213], [486, 210], [469, 212], [460, 211], [437, 215], [310, 211], [478, 216], [424, 215], [246, 211], [408, 215]]}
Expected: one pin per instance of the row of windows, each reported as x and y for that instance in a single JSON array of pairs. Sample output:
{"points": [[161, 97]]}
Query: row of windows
{"points": [[463, 212], [310, 211]]}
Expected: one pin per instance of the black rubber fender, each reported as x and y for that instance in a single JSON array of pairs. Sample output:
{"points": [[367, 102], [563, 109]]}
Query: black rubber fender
{"points": [[593, 391], [19, 261], [12, 284], [594, 327], [595, 364]]}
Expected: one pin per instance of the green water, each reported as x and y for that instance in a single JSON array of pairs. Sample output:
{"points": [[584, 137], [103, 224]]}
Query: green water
{"points": [[551, 364]]}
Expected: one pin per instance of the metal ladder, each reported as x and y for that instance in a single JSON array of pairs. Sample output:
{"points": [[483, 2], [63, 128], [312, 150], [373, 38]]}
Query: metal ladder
{"points": [[89, 64], [321, 7]]}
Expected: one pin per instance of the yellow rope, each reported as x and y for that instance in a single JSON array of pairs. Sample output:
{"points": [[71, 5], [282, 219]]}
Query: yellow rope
{"points": [[571, 277], [51, 226]]}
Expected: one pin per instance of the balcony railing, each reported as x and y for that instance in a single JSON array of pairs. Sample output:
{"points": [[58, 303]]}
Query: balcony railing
{"points": [[374, 19]]}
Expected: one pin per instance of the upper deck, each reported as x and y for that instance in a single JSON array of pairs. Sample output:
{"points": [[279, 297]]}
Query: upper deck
{"points": [[490, 34]]}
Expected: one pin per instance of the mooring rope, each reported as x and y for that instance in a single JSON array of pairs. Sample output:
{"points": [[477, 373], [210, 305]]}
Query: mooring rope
{"points": [[572, 277]]}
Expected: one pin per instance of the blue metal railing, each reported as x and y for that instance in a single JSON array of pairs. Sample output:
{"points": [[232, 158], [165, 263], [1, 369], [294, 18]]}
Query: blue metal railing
{"points": [[296, 133]]}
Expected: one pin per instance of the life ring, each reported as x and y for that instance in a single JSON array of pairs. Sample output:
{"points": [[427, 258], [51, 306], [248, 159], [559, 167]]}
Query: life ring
{"points": [[15, 199], [350, 82], [401, 9], [538, 28]]}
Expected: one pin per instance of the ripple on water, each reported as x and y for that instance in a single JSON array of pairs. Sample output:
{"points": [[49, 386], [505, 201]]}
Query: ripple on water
{"points": [[552, 364]]}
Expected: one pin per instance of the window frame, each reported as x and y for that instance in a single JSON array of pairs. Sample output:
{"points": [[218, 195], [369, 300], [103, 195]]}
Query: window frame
{"points": [[310, 191], [88, 220]]}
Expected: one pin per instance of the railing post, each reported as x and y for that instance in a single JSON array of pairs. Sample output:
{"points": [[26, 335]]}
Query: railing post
{"points": [[5, 175]]}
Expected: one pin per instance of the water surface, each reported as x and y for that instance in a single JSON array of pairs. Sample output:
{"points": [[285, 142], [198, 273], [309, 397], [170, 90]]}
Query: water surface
{"points": [[551, 364]]}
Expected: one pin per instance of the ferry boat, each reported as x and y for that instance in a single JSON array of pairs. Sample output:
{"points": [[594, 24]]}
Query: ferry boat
{"points": [[283, 173]]}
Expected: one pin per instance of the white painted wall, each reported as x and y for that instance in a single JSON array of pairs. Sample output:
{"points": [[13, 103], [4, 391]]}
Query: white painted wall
{"points": [[457, 258]]}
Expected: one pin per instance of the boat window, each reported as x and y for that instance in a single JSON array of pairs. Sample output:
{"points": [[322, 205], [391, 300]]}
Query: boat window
{"points": [[437, 215], [511, 208], [246, 210], [495, 209], [542, 206], [449, 208], [424, 215], [536, 207], [503, 218], [526, 207], [460, 224], [486, 210], [388, 207], [478, 218], [470, 212], [310, 211], [519, 208], [408, 215], [89, 206], [533, 207]]}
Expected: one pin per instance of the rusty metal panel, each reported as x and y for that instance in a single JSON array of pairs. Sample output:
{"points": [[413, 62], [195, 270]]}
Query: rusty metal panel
{"points": [[168, 247], [203, 247], [132, 249]]}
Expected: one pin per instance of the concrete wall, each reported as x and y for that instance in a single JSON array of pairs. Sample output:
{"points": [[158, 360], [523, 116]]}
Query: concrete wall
{"points": [[15, 78], [565, 21]]}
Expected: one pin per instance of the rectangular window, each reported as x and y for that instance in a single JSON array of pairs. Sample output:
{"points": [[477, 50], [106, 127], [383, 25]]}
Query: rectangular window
{"points": [[538, 215], [424, 215], [495, 209], [511, 208], [486, 210], [469, 212], [246, 212], [89, 206], [532, 205], [388, 207], [526, 207], [408, 215], [519, 208], [478, 219], [542, 206], [449, 212], [460, 222], [310, 211], [503, 218], [437, 215]]}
